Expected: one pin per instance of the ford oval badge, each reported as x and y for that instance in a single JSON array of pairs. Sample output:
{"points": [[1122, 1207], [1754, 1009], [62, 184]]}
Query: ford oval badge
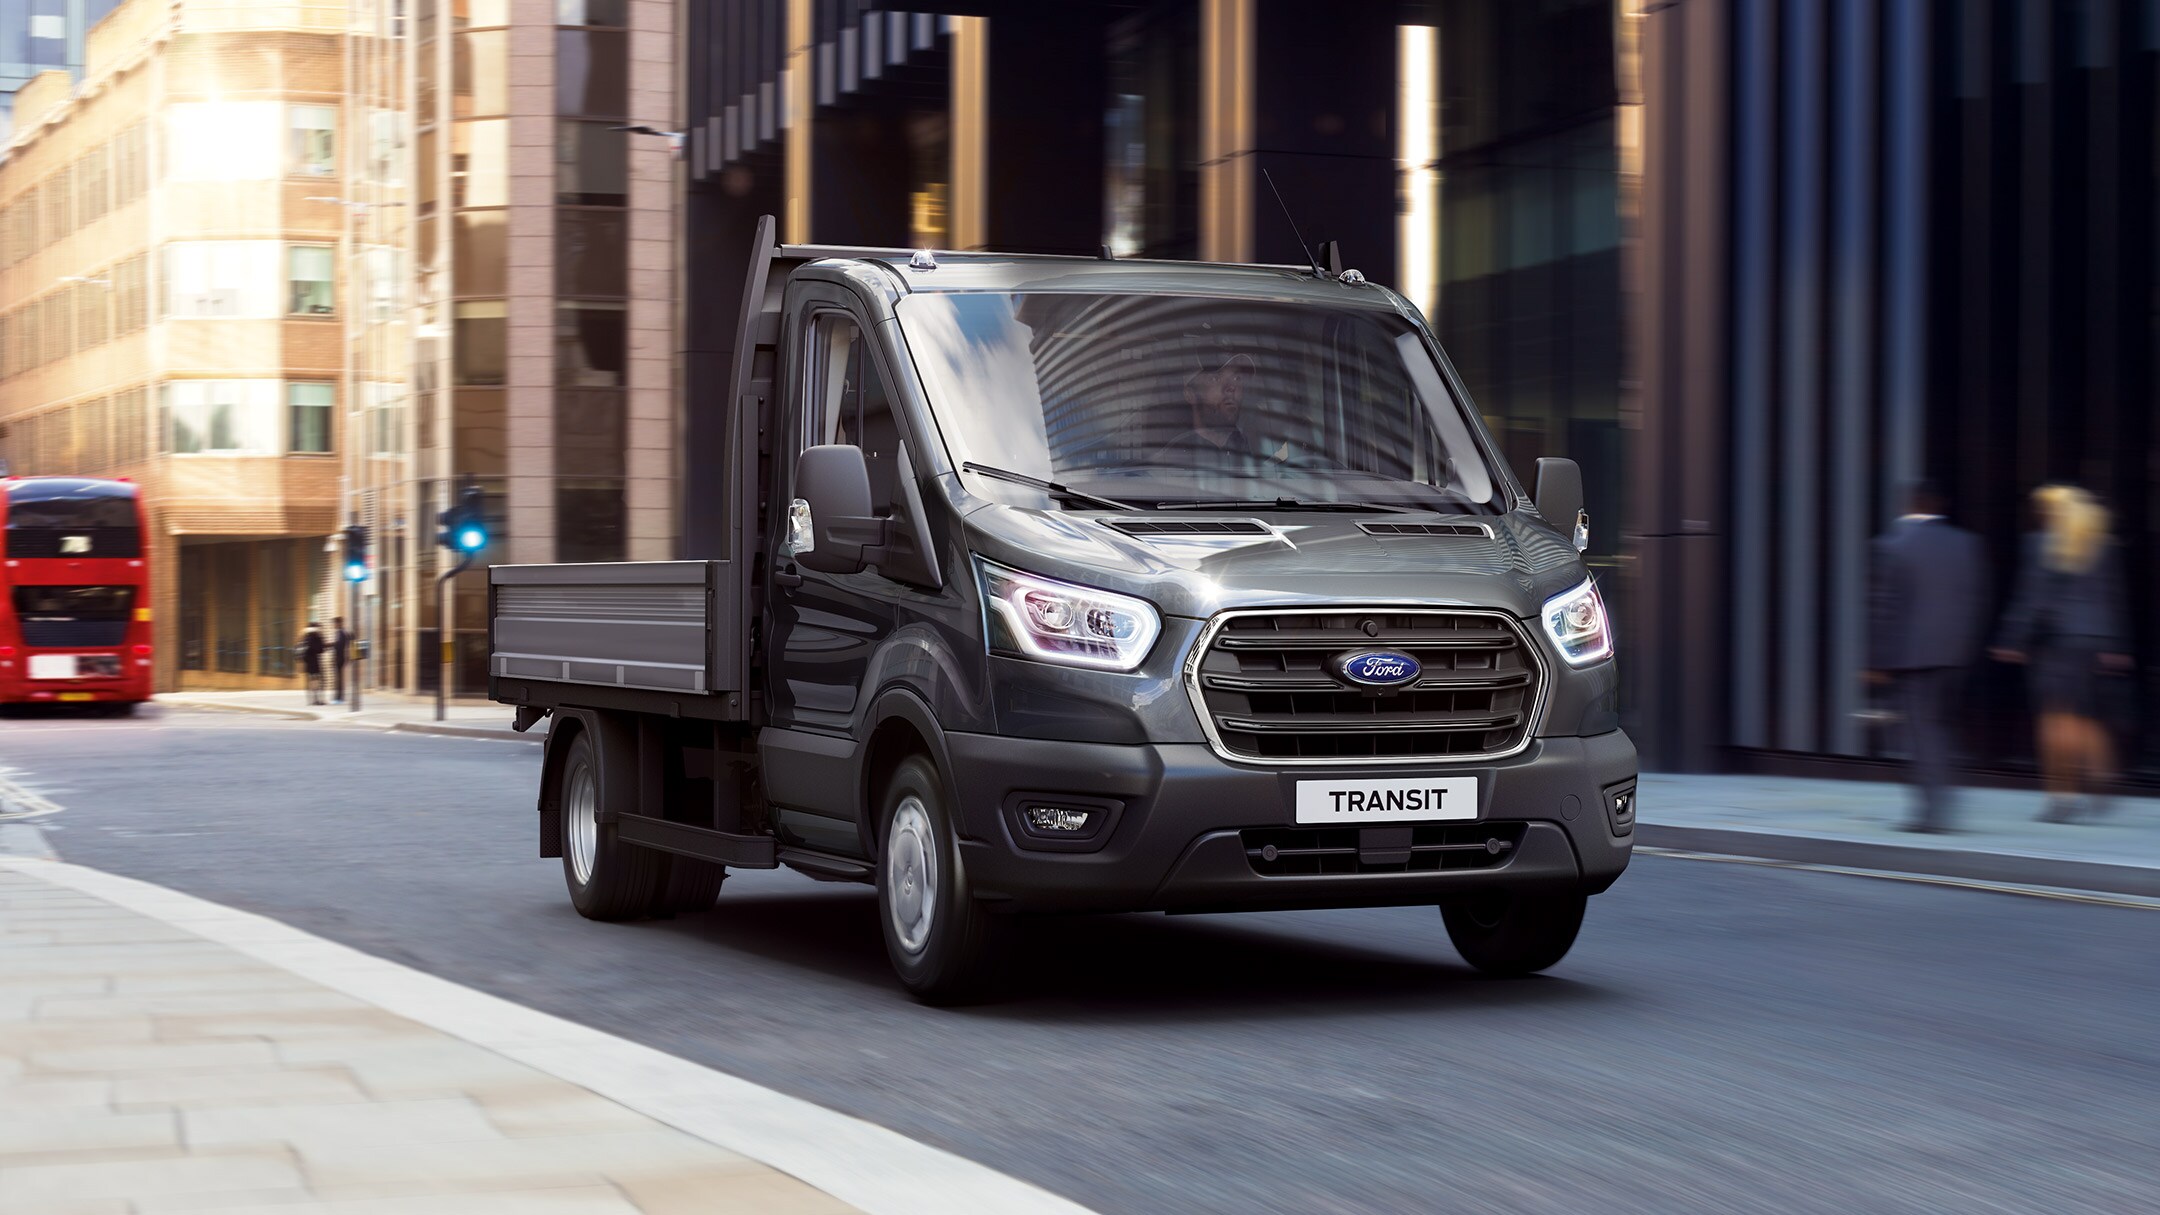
{"points": [[1378, 668]]}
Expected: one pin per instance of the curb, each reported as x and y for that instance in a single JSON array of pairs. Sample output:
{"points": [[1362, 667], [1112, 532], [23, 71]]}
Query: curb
{"points": [[2011, 867], [451, 730], [224, 707]]}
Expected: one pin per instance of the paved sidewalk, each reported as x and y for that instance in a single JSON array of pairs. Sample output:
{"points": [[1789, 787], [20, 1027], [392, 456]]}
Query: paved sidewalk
{"points": [[378, 710], [1837, 822], [162, 1053], [143, 1068]]}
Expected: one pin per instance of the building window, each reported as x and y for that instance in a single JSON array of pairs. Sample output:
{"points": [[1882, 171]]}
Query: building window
{"points": [[221, 278], [480, 163], [480, 343], [592, 12], [222, 140], [590, 165], [480, 244], [221, 417], [313, 268], [480, 74], [310, 405], [589, 344], [313, 141], [592, 73], [382, 414], [384, 266]]}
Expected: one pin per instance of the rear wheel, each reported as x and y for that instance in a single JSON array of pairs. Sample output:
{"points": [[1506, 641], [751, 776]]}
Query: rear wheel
{"points": [[1514, 934], [942, 942], [608, 879], [690, 885]]}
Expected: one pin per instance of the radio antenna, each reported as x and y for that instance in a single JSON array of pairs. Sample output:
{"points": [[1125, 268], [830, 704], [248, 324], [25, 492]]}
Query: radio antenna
{"points": [[1303, 248]]}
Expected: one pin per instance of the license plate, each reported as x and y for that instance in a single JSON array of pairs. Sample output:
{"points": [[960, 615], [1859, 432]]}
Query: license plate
{"points": [[1420, 799], [52, 666], [77, 696]]}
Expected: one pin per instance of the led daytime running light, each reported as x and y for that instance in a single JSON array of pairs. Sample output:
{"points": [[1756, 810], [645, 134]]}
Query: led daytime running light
{"points": [[1059, 622], [1577, 623]]}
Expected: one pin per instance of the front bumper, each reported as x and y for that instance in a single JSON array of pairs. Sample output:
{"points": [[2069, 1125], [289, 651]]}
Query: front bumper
{"points": [[1175, 840]]}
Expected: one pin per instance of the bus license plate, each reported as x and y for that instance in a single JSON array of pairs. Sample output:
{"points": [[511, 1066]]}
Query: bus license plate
{"points": [[52, 666], [1423, 799], [77, 696]]}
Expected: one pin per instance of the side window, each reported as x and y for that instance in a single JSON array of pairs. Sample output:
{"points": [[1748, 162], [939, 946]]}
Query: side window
{"points": [[848, 403]]}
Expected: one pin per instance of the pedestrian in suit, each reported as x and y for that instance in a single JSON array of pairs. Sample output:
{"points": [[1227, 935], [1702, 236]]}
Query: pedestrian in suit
{"points": [[1929, 588], [311, 649], [340, 652], [2066, 624]]}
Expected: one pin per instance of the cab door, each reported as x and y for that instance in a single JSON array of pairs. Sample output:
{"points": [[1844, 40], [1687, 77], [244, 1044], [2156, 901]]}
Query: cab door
{"points": [[826, 627]]}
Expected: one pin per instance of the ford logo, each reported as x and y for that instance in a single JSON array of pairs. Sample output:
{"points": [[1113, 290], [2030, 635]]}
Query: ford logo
{"points": [[1378, 668]]}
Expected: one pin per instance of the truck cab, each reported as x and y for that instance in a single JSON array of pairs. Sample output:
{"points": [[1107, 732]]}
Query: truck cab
{"points": [[1055, 585]]}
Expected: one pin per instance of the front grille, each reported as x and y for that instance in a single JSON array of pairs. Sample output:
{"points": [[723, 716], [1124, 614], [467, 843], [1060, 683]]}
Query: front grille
{"points": [[1265, 686], [1336, 851]]}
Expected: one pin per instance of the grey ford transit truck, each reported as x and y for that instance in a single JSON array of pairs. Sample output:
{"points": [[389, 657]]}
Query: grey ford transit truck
{"points": [[1052, 584]]}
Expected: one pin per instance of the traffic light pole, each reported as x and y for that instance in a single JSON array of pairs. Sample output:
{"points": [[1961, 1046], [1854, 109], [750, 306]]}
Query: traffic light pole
{"points": [[447, 651], [354, 651]]}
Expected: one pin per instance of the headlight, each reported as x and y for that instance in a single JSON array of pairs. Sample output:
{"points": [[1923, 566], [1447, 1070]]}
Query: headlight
{"points": [[1058, 622], [1577, 624]]}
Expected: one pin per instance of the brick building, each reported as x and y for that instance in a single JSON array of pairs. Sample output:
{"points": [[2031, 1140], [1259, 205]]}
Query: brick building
{"points": [[173, 308]]}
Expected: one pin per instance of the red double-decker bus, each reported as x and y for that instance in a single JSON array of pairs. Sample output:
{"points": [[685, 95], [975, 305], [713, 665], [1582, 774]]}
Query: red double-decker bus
{"points": [[74, 592]]}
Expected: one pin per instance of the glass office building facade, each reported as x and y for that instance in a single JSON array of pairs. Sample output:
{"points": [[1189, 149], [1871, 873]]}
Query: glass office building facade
{"points": [[1882, 240]]}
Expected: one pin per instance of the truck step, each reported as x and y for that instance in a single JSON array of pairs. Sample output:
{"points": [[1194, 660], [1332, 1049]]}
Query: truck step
{"points": [[704, 843]]}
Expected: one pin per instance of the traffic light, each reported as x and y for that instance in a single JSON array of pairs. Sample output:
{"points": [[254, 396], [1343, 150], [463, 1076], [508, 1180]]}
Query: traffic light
{"points": [[463, 528], [356, 554]]}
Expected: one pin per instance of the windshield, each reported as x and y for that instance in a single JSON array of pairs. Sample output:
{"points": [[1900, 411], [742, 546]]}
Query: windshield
{"points": [[72, 521], [1171, 400]]}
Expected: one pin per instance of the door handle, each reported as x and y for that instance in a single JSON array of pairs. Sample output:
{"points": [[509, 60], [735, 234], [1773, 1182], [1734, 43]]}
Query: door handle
{"points": [[786, 577]]}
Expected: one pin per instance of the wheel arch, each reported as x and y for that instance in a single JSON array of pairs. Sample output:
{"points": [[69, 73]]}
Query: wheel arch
{"points": [[904, 726]]}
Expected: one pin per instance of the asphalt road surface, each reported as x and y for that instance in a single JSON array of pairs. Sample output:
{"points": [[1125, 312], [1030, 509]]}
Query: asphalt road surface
{"points": [[1724, 1037]]}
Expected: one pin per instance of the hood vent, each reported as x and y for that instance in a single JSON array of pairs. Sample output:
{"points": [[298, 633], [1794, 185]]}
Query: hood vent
{"points": [[1179, 529], [1478, 530]]}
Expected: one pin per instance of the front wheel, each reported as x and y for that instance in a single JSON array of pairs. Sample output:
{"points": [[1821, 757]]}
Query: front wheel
{"points": [[1514, 934], [940, 939]]}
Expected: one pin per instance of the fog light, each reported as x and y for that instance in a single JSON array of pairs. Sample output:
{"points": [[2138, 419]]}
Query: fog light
{"points": [[1620, 805], [1053, 818]]}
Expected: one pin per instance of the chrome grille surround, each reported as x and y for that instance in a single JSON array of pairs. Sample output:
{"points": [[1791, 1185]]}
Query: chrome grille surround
{"points": [[1518, 741]]}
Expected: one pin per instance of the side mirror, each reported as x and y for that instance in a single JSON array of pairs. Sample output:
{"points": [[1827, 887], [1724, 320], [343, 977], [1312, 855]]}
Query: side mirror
{"points": [[1560, 498], [832, 488]]}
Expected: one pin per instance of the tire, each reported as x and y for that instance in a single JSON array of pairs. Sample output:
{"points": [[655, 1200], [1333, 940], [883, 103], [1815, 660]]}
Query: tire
{"points": [[691, 885], [942, 942], [1514, 934], [608, 879]]}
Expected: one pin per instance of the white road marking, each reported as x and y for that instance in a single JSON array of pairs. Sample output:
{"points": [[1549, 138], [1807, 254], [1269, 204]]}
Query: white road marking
{"points": [[879, 1171], [2137, 902], [18, 802]]}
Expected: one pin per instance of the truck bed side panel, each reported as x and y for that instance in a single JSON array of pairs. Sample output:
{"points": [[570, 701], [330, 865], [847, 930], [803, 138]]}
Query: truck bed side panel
{"points": [[642, 625]]}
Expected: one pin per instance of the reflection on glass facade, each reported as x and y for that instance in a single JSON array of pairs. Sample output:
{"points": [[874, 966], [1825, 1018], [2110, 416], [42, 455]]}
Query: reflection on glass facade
{"points": [[1528, 234], [41, 36], [592, 190]]}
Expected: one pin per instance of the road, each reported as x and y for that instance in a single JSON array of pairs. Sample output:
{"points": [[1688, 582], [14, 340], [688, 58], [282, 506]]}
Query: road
{"points": [[1724, 1037]]}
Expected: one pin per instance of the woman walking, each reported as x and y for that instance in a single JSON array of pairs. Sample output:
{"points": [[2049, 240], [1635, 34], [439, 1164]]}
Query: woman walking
{"points": [[2066, 621]]}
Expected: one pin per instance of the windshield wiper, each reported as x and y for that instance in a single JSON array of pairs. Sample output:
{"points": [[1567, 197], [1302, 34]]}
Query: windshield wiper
{"points": [[1280, 504], [1050, 487]]}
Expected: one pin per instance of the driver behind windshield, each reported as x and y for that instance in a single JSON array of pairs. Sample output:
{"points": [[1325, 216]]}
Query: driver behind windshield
{"points": [[1215, 396]]}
